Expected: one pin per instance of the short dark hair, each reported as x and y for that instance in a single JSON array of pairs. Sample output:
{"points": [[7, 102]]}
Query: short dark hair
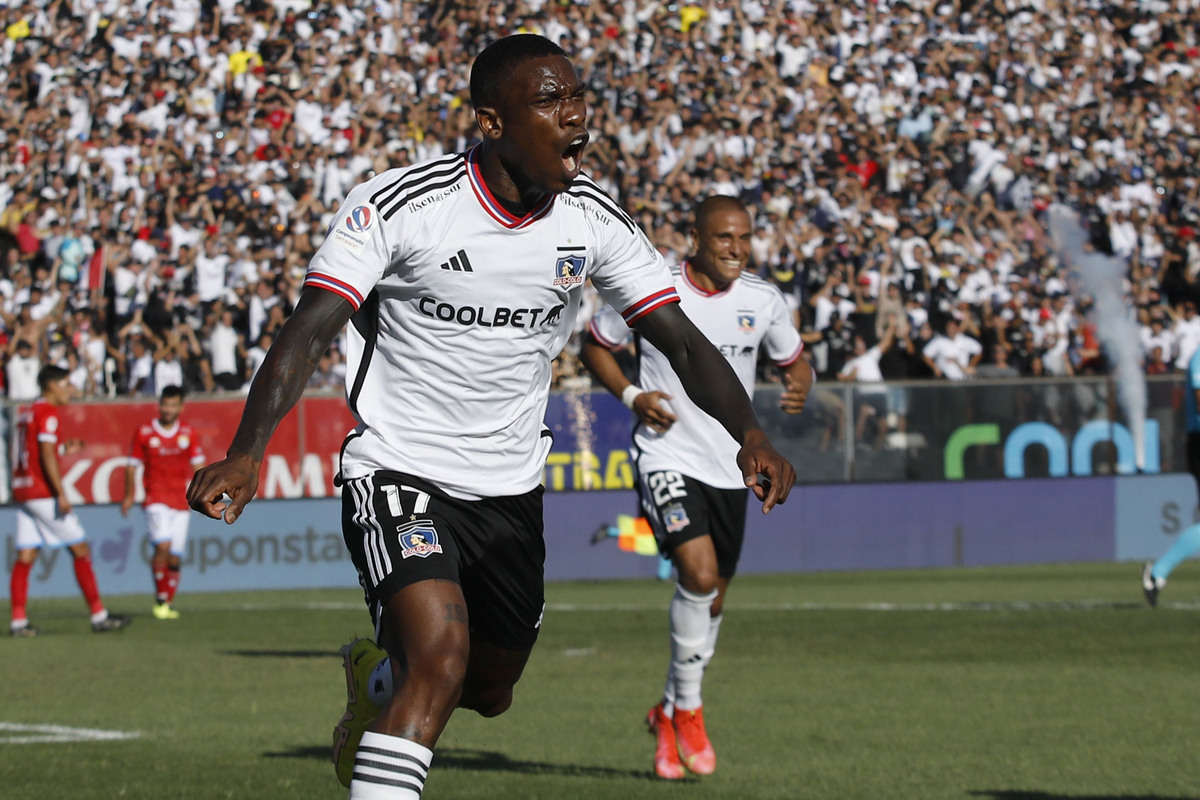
{"points": [[171, 391], [493, 65], [716, 203], [50, 374]]}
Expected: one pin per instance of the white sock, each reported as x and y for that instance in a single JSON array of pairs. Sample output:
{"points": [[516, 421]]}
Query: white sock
{"points": [[379, 685], [389, 768], [100, 616], [669, 692], [690, 626], [710, 644]]}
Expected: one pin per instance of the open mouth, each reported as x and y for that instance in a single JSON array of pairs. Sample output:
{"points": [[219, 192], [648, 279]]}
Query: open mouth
{"points": [[573, 155]]}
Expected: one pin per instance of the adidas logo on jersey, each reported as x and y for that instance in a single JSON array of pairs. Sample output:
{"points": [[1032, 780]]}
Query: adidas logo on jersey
{"points": [[458, 262]]}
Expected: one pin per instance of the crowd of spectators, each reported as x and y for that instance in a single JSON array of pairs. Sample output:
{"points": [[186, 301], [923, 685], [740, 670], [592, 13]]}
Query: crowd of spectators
{"points": [[168, 167]]}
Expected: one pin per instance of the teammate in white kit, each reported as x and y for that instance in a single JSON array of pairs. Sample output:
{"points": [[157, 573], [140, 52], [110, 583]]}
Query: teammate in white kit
{"points": [[691, 490], [169, 453], [460, 278]]}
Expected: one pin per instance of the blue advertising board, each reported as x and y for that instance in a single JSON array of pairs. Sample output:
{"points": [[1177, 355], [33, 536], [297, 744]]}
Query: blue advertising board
{"points": [[1150, 512], [298, 543], [275, 544]]}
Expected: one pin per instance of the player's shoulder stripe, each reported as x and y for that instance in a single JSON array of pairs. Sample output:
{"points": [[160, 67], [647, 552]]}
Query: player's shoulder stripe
{"points": [[390, 177], [757, 281], [586, 190], [758, 285], [603, 193], [413, 182]]}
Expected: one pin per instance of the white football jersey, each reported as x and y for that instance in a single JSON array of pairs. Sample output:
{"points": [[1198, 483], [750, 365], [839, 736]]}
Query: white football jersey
{"points": [[460, 309], [749, 313]]}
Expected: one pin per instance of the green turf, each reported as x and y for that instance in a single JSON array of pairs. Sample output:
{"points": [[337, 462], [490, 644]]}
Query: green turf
{"points": [[1031, 683]]}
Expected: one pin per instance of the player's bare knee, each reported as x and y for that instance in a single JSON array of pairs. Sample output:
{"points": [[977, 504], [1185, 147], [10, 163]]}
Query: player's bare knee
{"points": [[490, 702], [699, 579]]}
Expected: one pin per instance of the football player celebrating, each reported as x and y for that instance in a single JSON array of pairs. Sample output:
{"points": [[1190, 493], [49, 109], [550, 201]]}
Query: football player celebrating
{"points": [[691, 489], [460, 278]]}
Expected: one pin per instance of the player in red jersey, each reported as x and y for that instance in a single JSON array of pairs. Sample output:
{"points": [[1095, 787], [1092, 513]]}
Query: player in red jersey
{"points": [[169, 453], [44, 516]]}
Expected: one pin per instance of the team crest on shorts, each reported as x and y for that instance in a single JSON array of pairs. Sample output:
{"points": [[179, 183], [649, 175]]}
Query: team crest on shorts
{"points": [[568, 271], [418, 539], [675, 518], [745, 321]]}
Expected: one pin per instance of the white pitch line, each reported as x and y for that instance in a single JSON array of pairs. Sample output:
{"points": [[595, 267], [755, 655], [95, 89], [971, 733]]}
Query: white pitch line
{"points": [[1018, 606], [59, 734], [988, 606]]}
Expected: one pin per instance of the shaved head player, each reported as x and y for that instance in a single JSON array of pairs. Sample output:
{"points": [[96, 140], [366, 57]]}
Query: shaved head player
{"points": [[460, 278], [691, 489]]}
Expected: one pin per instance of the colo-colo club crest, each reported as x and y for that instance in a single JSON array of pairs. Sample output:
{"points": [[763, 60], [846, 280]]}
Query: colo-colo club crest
{"points": [[418, 539], [569, 270]]}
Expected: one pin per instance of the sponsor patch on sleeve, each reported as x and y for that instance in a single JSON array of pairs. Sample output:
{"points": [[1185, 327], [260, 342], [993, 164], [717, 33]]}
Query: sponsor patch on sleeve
{"points": [[350, 231]]}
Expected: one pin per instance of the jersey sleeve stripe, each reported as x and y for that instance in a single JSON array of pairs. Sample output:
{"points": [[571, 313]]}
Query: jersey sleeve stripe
{"points": [[599, 337], [644, 307], [337, 287], [787, 362]]}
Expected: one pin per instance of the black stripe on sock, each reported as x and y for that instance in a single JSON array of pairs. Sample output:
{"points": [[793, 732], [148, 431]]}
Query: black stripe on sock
{"points": [[417, 786], [379, 751], [380, 765]]}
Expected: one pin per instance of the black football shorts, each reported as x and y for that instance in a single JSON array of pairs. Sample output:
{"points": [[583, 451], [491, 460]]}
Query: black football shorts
{"points": [[401, 529], [681, 508]]}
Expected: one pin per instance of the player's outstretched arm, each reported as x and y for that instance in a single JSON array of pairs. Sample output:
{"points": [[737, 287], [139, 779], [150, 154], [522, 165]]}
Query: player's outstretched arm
{"points": [[713, 386], [318, 318]]}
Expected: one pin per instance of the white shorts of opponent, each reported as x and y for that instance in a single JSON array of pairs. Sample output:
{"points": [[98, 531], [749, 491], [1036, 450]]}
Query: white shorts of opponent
{"points": [[166, 524], [40, 524]]}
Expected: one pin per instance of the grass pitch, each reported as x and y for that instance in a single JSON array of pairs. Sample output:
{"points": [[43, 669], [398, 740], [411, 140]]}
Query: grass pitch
{"points": [[1031, 683]]}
